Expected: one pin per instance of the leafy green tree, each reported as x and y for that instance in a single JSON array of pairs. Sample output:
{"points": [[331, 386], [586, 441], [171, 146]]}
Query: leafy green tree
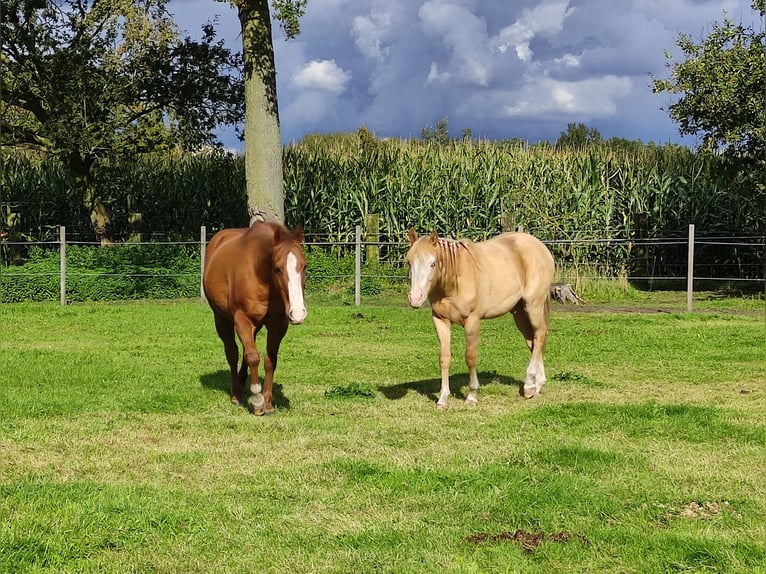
{"points": [[438, 135], [625, 145], [578, 136], [722, 83], [94, 81], [263, 145]]}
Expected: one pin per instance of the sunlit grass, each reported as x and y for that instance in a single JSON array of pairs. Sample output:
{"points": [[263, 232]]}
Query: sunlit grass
{"points": [[121, 452]]}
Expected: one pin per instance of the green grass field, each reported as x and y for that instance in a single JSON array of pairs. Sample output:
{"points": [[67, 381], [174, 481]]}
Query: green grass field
{"points": [[120, 452]]}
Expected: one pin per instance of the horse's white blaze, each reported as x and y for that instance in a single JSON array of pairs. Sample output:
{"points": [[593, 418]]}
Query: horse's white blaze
{"points": [[421, 273], [297, 312]]}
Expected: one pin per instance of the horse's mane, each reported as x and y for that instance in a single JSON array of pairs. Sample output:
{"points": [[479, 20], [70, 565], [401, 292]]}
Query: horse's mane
{"points": [[285, 240], [450, 253]]}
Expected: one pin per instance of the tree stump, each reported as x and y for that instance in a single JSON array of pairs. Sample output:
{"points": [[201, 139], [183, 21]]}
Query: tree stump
{"points": [[563, 293]]}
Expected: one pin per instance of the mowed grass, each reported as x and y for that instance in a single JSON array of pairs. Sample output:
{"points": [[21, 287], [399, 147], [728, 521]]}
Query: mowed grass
{"points": [[120, 452]]}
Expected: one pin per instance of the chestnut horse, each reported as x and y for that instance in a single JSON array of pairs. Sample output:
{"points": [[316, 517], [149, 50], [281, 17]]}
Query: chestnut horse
{"points": [[466, 282], [255, 277]]}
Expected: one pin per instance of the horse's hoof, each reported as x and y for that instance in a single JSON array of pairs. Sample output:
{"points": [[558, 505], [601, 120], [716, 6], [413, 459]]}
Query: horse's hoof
{"points": [[257, 404], [441, 406], [531, 393], [269, 412], [235, 402], [470, 402]]}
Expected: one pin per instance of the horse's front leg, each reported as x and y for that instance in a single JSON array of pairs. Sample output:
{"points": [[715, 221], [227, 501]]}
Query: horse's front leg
{"points": [[471, 326], [276, 333], [444, 332], [246, 333]]}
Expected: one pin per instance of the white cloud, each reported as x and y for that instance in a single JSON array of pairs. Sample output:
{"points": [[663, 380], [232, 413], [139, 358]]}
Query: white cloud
{"points": [[369, 32], [567, 61], [545, 19], [589, 98], [435, 76], [324, 75], [464, 34]]}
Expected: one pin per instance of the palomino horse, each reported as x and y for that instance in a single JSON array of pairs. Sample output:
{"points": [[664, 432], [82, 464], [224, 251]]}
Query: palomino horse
{"points": [[467, 282], [255, 277]]}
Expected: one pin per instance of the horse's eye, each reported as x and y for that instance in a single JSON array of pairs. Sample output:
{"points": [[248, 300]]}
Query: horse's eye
{"points": [[433, 264], [278, 270]]}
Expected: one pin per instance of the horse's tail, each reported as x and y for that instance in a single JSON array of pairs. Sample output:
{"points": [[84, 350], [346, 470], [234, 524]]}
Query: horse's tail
{"points": [[547, 307]]}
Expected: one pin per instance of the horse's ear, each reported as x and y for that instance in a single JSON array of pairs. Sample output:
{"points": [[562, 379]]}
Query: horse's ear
{"points": [[412, 235], [298, 234], [434, 237]]}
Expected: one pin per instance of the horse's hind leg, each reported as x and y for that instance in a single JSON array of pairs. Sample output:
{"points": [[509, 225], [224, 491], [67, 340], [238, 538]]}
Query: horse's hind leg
{"points": [[532, 321], [471, 326], [276, 332], [225, 330]]}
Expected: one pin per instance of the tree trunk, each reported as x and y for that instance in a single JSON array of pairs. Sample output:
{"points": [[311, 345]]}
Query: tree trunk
{"points": [[100, 219], [263, 145]]}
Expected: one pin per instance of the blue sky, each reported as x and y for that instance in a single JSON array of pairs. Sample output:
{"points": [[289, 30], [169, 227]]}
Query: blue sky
{"points": [[502, 68]]}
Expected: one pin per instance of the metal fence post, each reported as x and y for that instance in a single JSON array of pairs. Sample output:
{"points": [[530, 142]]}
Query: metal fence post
{"points": [[202, 248], [358, 268], [62, 265], [690, 270]]}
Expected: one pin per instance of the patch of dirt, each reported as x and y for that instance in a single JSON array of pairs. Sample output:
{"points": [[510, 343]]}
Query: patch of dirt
{"points": [[695, 511], [704, 511], [610, 309], [529, 540]]}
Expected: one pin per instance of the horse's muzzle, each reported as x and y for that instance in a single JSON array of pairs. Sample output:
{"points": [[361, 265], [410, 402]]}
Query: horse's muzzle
{"points": [[416, 298], [297, 316]]}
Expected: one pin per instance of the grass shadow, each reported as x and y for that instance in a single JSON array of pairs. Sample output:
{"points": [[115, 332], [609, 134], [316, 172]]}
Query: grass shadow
{"points": [[221, 381], [217, 381], [429, 388]]}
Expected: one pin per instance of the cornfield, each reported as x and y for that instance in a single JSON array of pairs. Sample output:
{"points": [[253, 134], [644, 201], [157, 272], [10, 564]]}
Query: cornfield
{"points": [[477, 189], [472, 189]]}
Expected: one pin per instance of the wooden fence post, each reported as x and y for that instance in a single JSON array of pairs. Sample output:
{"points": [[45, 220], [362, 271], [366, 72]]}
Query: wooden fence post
{"points": [[358, 268], [14, 237], [62, 265], [372, 236], [507, 218], [507, 221], [135, 224], [202, 249], [690, 270]]}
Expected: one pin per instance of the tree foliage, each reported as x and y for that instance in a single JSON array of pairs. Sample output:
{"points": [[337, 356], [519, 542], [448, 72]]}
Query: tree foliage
{"points": [[92, 81], [288, 13], [438, 135], [578, 136], [722, 85]]}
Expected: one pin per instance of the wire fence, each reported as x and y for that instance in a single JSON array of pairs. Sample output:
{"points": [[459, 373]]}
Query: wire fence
{"points": [[648, 263]]}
